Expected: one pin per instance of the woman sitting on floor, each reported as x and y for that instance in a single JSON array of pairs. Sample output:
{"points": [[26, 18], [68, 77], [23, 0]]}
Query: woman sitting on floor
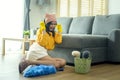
{"points": [[45, 40]]}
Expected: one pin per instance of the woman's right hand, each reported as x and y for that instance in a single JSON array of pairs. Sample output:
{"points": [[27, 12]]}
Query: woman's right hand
{"points": [[42, 26]]}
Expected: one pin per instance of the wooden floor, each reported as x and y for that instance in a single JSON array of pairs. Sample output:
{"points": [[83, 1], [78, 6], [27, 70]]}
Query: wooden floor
{"points": [[9, 71]]}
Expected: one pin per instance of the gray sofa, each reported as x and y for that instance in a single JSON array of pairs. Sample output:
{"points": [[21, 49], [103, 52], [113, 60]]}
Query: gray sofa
{"points": [[98, 34]]}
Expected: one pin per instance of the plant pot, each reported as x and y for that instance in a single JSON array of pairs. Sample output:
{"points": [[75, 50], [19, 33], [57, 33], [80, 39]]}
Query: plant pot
{"points": [[26, 37]]}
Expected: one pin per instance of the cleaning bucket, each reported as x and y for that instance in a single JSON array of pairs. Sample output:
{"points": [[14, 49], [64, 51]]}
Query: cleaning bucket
{"points": [[82, 65]]}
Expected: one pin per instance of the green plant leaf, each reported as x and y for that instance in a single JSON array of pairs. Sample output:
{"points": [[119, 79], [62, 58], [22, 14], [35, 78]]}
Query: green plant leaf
{"points": [[26, 32]]}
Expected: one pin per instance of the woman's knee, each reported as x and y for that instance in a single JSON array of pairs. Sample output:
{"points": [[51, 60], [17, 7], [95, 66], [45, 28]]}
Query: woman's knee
{"points": [[63, 62], [57, 64]]}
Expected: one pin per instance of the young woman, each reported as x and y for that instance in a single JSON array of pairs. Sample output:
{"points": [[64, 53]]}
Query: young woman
{"points": [[46, 39]]}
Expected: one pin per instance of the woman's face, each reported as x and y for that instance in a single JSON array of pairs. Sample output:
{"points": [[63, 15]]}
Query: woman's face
{"points": [[52, 26]]}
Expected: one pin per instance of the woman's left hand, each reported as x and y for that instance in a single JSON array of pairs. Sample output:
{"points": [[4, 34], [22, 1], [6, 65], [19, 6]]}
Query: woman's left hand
{"points": [[59, 28]]}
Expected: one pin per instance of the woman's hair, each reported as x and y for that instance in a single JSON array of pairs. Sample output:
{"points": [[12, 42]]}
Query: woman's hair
{"points": [[48, 30]]}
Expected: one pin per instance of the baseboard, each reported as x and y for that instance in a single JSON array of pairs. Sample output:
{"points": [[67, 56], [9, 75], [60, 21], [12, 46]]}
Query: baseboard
{"points": [[105, 62], [70, 64], [113, 62]]}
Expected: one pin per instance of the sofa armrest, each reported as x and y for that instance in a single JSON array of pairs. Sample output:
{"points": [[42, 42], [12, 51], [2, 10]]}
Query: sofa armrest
{"points": [[114, 46]]}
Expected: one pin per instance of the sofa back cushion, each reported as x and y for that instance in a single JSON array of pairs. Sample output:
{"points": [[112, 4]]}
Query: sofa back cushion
{"points": [[81, 25], [65, 22], [103, 24]]}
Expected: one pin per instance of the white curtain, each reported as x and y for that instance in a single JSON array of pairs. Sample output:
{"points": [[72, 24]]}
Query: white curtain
{"points": [[11, 22], [74, 8]]}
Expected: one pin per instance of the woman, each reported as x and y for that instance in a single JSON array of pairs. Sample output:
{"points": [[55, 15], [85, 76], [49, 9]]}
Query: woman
{"points": [[45, 40]]}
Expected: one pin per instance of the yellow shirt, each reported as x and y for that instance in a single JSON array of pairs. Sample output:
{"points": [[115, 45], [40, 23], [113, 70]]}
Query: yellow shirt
{"points": [[48, 41]]}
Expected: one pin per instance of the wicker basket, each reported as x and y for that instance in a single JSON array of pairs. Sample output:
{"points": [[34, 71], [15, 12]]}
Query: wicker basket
{"points": [[82, 65]]}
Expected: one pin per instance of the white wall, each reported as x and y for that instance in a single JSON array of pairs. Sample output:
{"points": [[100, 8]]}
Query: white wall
{"points": [[35, 14], [114, 7], [38, 12]]}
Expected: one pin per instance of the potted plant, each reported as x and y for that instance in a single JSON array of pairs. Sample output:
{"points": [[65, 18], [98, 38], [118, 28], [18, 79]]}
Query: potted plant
{"points": [[26, 34]]}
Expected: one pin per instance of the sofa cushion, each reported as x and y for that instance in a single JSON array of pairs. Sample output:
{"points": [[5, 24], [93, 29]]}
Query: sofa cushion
{"points": [[83, 41], [103, 25], [81, 25], [65, 22]]}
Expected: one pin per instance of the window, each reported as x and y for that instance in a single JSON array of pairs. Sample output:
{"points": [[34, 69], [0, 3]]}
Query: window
{"points": [[75, 8], [73, 11], [11, 17], [64, 8]]}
